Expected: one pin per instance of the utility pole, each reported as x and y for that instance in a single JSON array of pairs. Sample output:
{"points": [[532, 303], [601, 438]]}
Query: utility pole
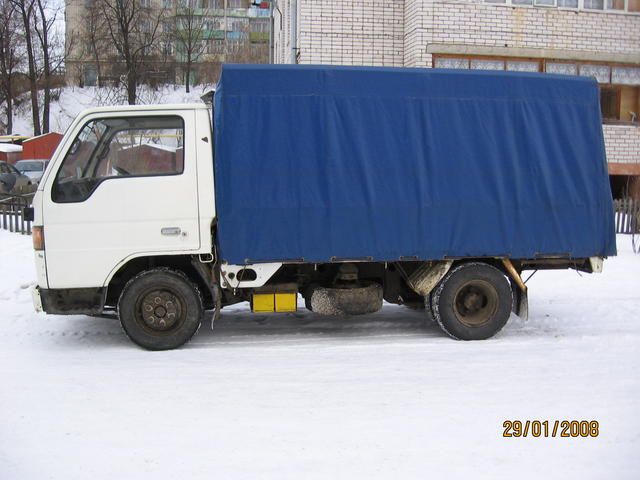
{"points": [[294, 31]]}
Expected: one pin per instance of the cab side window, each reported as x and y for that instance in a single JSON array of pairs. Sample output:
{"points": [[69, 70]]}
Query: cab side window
{"points": [[112, 148]]}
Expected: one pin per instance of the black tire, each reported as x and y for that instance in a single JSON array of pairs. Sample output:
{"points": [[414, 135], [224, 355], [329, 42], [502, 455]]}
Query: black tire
{"points": [[174, 305], [429, 309], [473, 302]]}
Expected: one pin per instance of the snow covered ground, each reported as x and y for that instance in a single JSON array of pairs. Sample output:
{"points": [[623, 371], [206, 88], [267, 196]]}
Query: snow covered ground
{"points": [[302, 396]]}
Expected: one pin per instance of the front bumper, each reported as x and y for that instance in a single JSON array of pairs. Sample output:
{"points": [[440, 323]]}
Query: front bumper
{"points": [[69, 301]]}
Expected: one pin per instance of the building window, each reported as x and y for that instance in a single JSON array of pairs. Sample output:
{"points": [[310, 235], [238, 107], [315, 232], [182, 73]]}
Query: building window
{"points": [[594, 4], [619, 84], [523, 66], [561, 68], [602, 73], [615, 4], [145, 3], [238, 25], [259, 26], [632, 6], [90, 73], [456, 63], [610, 103], [625, 75], [215, 47], [481, 64]]}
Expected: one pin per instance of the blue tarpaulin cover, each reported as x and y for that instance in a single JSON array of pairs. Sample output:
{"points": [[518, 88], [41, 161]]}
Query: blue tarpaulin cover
{"points": [[320, 163]]}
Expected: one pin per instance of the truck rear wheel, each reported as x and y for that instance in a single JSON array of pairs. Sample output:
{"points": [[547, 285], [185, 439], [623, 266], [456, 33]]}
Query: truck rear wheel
{"points": [[160, 309], [473, 302]]}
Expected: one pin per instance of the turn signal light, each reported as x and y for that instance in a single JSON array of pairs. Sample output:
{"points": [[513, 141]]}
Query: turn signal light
{"points": [[37, 234]]}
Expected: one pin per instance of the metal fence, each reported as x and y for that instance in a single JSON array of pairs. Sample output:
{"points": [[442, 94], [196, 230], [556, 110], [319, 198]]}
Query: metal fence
{"points": [[627, 215], [12, 213]]}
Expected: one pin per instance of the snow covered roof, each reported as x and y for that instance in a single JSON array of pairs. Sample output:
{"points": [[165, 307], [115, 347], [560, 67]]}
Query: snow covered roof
{"points": [[48, 134], [10, 148]]}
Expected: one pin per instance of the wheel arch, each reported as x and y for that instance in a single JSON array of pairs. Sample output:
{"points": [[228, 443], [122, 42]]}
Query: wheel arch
{"points": [[133, 266], [512, 269]]}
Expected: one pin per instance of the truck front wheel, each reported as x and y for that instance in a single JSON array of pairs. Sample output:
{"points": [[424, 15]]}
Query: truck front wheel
{"points": [[472, 302], [160, 309]]}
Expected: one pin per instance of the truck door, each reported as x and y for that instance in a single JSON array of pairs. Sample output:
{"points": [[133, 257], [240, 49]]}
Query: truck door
{"points": [[126, 187]]}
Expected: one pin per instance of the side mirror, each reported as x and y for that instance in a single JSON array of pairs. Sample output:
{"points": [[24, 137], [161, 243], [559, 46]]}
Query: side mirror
{"points": [[28, 213]]}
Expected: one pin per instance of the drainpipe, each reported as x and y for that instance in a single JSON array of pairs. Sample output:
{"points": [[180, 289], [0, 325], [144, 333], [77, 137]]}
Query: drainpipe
{"points": [[294, 31], [272, 41], [271, 31]]}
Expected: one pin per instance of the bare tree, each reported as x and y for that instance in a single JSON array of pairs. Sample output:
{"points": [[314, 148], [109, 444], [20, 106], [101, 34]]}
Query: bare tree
{"points": [[44, 21], [26, 11], [133, 27], [188, 28], [9, 57]]}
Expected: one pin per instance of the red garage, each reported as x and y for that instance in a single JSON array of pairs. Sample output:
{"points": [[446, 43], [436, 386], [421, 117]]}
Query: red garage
{"points": [[40, 147]]}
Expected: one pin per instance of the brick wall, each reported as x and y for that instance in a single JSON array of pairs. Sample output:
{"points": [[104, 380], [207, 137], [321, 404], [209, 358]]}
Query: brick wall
{"points": [[408, 32], [399, 32], [472, 22], [622, 143], [347, 32], [417, 24]]}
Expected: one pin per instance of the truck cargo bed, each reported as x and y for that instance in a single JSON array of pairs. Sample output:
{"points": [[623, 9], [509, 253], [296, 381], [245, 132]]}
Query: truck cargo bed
{"points": [[321, 164]]}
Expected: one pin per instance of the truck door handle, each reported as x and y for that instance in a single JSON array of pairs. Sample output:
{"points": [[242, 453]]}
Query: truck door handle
{"points": [[171, 231]]}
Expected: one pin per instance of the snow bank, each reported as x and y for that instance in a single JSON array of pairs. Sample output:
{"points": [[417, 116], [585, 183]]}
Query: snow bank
{"points": [[303, 396], [74, 100]]}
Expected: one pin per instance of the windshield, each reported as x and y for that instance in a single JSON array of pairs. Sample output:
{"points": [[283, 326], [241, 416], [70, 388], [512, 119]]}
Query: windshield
{"points": [[27, 166]]}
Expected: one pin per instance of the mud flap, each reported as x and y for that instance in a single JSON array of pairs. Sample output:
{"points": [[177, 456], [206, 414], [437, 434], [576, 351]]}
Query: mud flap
{"points": [[520, 295], [520, 302]]}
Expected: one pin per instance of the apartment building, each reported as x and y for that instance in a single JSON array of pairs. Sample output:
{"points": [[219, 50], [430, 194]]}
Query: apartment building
{"points": [[226, 30], [597, 38]]}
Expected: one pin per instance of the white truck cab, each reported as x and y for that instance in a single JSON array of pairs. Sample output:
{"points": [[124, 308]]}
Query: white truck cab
{"points": [[122, 184]]}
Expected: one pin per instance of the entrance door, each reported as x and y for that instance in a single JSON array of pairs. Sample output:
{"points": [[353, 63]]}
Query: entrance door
{"points": [[126, 187]]}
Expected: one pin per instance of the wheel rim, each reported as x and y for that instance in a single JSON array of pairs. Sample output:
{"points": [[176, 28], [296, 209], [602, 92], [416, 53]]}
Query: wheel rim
{"points": [[160, 311], [476, 303]]}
